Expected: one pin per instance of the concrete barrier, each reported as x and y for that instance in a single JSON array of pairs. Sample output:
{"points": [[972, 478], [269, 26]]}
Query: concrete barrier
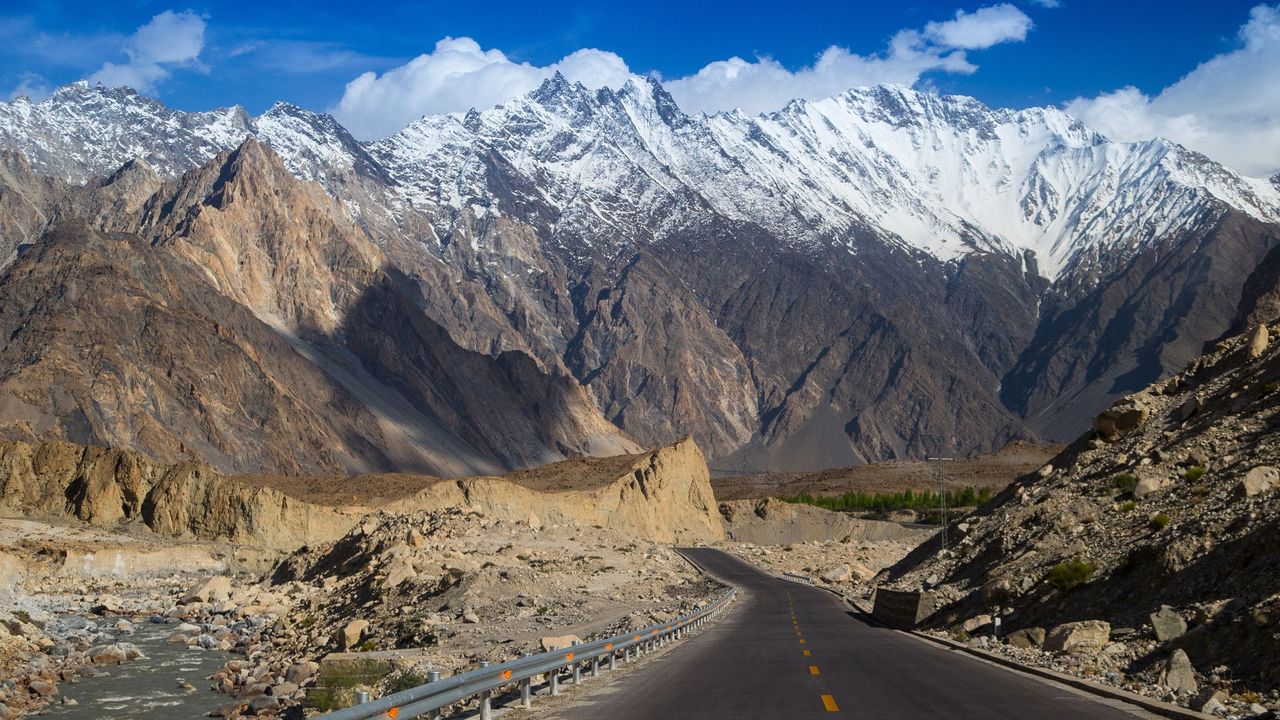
{"points": [[901, 609]]}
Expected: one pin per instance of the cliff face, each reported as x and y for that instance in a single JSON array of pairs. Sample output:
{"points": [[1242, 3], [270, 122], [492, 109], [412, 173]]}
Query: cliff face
{"points": [[236, 314], [663, 495]]}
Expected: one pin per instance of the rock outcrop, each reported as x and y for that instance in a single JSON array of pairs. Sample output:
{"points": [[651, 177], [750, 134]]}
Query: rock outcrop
{"points": [[663, 495], [237, 315]]}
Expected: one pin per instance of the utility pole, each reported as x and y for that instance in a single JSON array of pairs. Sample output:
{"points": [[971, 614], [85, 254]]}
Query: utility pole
{"points": [[942, 500]]}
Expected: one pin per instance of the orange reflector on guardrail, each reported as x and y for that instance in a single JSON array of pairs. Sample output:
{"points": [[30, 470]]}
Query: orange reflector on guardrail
{"points": [[568, 656], [506, 674], [392, 713], [608, 646]]}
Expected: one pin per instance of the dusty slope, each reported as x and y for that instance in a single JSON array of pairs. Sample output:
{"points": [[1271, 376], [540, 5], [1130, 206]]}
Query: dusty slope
{"points": [[994, 470], [662, 495], [1172, 501]]}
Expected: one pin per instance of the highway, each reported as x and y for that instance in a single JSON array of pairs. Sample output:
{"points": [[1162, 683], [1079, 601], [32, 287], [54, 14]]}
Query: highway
{"points": [[794, 651]]}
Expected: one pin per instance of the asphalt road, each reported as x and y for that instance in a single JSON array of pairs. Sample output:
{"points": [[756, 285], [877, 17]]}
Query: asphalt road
{"points": [[793, 651]]}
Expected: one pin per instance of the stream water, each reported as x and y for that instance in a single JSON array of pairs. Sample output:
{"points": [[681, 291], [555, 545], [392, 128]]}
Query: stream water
{"points": [[145, 688]]}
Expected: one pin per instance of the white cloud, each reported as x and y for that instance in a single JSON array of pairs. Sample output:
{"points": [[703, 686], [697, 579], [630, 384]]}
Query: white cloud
{"points": [[459, 75], [981, 28], [1227, 108], [456, 76], [168, 40], [764, 84], [31, 86]]}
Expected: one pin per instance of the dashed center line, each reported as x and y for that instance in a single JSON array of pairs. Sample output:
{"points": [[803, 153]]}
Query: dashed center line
{"points": [[829, 703], [813, 670], [806, 653]]}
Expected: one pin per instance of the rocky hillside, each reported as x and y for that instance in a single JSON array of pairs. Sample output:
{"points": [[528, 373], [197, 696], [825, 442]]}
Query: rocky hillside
{"points": [[722, 276], [661, 496], [236, 314], [1160, 524]]}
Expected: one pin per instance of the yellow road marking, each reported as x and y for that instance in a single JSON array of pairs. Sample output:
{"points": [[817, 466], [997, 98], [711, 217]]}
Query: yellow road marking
{"points": [[806, 653], [829, 703], [801, 641], [813, 670]]}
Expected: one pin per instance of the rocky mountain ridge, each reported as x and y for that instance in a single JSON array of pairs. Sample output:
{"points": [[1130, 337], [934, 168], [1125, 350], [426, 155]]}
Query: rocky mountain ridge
{"points": [[724, 276]]}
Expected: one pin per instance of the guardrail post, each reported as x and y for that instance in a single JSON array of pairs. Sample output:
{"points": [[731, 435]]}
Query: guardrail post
{"points": [[595, 667], [577, 673], [362, 697], [433, 676], [554, 681], [526, 693], [613, 657], [486, 703]]}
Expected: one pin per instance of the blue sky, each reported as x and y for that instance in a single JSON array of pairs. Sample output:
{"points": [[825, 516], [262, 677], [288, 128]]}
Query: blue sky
{"points": [[195, 55]]}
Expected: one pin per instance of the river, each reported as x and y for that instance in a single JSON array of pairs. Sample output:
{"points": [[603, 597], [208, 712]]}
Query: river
{"points": [[145, 688]]}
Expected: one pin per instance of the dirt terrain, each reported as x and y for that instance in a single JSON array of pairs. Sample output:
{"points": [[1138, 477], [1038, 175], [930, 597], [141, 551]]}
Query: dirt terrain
{"points": [[994, 470], [375, 489]]}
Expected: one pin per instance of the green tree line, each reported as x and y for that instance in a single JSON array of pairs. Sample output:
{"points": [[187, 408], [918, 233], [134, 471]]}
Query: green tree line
{"points": [[922, 500]]}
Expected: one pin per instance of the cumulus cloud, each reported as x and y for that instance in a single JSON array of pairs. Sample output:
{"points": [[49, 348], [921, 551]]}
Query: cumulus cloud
{"points": [[1226, 108], [167, 41], [31, 86], [456, 76], [459, 75]]}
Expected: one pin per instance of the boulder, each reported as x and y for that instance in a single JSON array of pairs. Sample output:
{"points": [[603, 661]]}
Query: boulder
{"points": [[1149, 483], [1084, 637], [352, 633], [1026, 638], [106, 655], [997, 591], [1123, 417], [559, 642], [42, 688], [263, 703], [1257, 344], [837, 574], [976, 622], [399, 572], [1259, 480], [1167, 624], [1188, 409], [1179, 675], [301, 672], [213, 590]]}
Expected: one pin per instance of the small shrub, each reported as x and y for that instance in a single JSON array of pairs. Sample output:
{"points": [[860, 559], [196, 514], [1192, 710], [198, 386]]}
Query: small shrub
{"points": [[336, 685], [368, 646], [1126, 506], [1194, 473], [1067, 575], [405, 679], [307, 621], [1125, 482], [543, 609], [1158, 521]]}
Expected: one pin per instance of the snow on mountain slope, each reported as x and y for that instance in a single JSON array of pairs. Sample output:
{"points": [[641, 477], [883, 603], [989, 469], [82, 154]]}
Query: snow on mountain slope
{"points": [[82, 131], [945, 175]]}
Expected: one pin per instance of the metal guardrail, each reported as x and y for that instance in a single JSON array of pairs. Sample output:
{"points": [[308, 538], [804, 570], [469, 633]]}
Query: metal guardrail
{"points": [[429, 699], [798, 578]]}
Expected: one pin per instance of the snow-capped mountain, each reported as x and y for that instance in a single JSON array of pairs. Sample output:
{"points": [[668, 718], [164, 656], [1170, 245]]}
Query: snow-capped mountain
{"points": [[946, 175], [943, 174], [881, 273]]}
